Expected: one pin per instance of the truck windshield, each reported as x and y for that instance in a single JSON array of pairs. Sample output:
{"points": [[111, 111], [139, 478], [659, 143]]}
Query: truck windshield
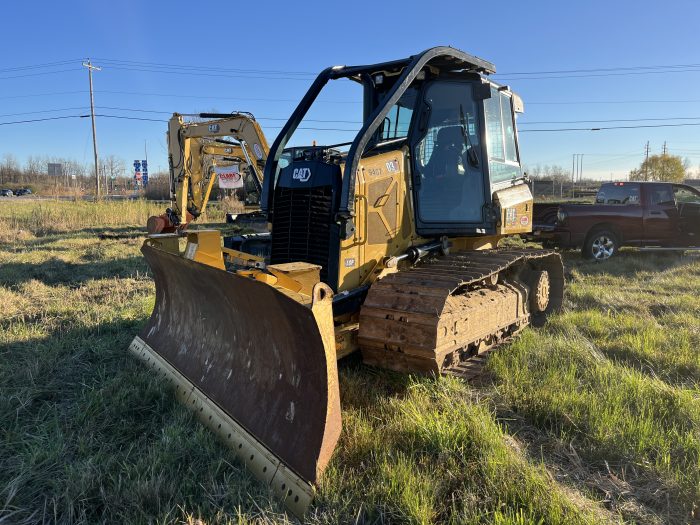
{"points": [[618, 193]]}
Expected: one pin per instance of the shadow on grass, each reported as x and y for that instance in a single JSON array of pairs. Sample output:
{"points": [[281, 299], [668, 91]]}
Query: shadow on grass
{"points": [[88, 435], [638, 497], [684, 375], [58, 272], [46, 238], [363, 387]]}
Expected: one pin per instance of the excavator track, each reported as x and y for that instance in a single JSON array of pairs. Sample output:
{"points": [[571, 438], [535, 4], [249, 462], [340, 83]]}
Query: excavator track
{"points": [[444, 315]]}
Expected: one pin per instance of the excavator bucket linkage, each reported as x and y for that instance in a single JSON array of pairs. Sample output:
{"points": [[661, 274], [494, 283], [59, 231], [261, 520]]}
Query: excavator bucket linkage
{"points": [[258, 367]]}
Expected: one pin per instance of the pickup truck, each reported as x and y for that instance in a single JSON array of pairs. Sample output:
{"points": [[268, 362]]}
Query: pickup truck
{"points": [[644, 214]]}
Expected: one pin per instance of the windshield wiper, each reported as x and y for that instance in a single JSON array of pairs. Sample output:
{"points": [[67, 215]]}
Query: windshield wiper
{"points": [[472, 157]]}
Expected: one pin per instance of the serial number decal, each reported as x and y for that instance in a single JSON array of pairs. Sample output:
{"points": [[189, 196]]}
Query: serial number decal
{"points": [[392, 166], [350, 262]]}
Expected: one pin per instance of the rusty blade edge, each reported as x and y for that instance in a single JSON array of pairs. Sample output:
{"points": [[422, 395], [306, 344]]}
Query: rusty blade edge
{"points": [[295, 493]]}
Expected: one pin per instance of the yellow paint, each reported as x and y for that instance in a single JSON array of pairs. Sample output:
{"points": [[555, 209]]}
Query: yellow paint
{"points": [[204, 246], [383, 222]]}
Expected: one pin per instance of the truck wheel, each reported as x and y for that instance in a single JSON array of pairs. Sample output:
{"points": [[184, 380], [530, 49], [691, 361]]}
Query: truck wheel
{"points": [[600, 245]]}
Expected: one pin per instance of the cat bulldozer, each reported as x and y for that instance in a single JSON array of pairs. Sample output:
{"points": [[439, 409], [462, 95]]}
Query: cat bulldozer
{"points": [[387, 245], [195, 148]]}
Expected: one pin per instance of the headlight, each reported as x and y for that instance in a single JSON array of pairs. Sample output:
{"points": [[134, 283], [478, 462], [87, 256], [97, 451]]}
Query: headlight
{"points": [[561, 216]]}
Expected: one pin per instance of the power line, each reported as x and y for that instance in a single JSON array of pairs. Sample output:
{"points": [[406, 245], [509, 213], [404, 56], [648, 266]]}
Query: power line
{"points": [[126, 117], [269, 127], [238, 76], [41, 119], [129, 118], [218, 97], [42, 73], [608, 120], [602, 128], [204, 68], [284, 119], [38, 66], [576, 102], [596, 70], [43, 94], [549, 77], [41, 111]]}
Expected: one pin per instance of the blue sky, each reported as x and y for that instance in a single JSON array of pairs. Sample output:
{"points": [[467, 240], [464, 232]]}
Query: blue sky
{"points": [[261, 57]]}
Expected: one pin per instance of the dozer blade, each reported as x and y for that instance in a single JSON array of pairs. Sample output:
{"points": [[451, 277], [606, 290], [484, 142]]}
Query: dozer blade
{"points": [[258, 367]]}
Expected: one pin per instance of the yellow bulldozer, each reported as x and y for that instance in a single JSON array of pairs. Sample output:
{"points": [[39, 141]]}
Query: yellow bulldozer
{"points": [[387, 244]]}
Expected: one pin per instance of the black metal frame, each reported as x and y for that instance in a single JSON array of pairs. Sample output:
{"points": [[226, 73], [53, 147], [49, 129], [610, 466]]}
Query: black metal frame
{"points": [[374, 117]]}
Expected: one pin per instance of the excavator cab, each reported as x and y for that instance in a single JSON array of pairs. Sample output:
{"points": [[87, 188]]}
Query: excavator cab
{"points": [[386, 244]]}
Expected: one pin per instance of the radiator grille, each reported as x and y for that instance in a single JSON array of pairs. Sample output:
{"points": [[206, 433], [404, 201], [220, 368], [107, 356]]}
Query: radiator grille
{"points": [[301, 225]]}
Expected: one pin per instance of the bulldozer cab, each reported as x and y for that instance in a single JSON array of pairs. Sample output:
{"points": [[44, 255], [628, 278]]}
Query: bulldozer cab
{"points": [[434, 122]]}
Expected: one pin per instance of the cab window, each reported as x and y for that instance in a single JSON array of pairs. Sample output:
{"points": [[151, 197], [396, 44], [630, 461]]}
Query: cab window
{"points": [[618, 193], [398, 120], [449, 187], [661, 195], [500, 137], [684, 194]]}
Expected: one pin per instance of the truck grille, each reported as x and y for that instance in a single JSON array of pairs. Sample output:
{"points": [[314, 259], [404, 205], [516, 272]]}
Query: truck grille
{"points": [[301, 225]]}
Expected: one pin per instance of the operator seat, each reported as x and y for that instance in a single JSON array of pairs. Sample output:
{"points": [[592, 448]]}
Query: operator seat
{"points": [[446, 157], [444, 174]]}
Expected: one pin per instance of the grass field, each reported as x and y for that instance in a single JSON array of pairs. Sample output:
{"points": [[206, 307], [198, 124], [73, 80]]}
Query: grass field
{"points": [[594, 418]]}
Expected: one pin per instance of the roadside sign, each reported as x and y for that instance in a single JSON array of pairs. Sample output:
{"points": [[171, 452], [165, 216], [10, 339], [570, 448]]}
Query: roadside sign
{"points": [[55, 169]]}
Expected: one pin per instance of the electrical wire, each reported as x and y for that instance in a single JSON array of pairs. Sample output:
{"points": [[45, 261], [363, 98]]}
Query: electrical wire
{"points": [[38, 66], [43, 111], [202, 68], [42, 73], [550, 77], [602, 128], [42, 119], [605, 121], [237, 76], [597, 70]]}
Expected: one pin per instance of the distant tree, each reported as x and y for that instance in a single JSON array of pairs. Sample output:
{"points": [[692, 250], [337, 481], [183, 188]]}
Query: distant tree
{"points": [[666, 168], [9, 169], [550, 173]]}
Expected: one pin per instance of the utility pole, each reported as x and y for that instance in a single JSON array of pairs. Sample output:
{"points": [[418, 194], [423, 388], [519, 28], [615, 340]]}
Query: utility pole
{"points": [[663, 164], [573, 173], [90, 67], [646, 161], [580, 171]]}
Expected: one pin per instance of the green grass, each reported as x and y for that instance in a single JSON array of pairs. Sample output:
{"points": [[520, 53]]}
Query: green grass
{"points": [[594, 418]]}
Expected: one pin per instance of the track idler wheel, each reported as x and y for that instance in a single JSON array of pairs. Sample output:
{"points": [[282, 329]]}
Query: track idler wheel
{"points": [[539, 291]]}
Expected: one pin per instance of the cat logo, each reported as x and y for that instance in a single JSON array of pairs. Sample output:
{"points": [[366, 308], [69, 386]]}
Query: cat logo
{"points": [[301, 174]]}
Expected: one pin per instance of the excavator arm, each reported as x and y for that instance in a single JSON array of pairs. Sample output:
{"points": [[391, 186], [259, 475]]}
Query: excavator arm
{"points": [[190, 144]]}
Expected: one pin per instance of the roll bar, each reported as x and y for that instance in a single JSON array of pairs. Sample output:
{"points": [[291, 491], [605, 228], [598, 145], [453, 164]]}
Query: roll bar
{"points": [[447, 58]]}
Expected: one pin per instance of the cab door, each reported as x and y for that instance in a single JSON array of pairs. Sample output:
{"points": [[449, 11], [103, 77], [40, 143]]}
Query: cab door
{"points": [[688, 203], [661, 216]]}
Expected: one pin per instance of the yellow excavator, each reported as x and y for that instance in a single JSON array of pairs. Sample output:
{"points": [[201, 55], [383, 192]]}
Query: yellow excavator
{"points": [[236, 139], [387, 244]]}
